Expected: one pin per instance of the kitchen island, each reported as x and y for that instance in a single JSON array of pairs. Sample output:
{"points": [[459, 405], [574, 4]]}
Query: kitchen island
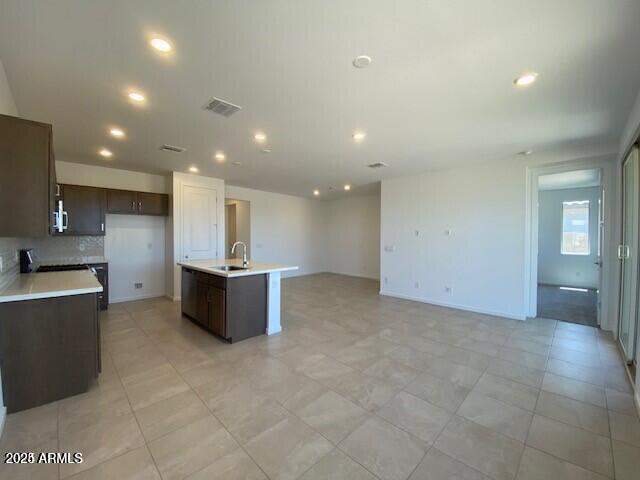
{"points": [[230, 300]]}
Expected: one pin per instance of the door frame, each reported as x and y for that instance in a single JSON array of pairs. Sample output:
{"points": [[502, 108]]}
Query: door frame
{"points": [[610, 268], [635, 282]]}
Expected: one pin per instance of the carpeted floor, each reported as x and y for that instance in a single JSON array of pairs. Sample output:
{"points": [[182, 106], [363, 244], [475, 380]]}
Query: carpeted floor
{"points": [[568, 305]]}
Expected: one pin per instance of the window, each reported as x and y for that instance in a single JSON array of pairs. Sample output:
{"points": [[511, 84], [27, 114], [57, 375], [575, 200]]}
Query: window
{"points": [[575, 228]]}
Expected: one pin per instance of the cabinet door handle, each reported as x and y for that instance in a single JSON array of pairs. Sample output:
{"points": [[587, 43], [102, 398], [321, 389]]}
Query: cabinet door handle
{"points": [[139, 206], [133, 205], [102, 227], [57, 189]]}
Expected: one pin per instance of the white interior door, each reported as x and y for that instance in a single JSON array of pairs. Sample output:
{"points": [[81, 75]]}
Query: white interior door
{"points": [[199, 223]]}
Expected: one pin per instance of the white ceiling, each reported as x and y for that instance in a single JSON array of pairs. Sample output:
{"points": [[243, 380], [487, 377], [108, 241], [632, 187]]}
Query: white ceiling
{"points": [[574, 179], [438, 93]]}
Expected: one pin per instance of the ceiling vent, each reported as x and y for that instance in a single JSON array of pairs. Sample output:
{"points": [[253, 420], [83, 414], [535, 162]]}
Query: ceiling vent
{"points": [[172, 148], [378, 165], [222, 107]]}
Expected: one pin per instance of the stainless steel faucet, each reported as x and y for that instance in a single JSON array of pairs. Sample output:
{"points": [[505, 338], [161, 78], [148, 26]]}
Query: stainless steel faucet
{"points": [[245, 262]]}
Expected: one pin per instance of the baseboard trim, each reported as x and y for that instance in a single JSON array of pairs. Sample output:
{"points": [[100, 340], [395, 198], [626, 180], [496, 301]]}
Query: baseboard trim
{"points": [[457, 306], [355, 275], [137, 297]]}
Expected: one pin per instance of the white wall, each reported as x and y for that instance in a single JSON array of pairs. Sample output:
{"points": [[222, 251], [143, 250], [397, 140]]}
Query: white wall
{"points": [[481, 261], [95, 176], [553, 267], [135, 248], [354, 236], [484, 258], [286, 229], [7, 245], [134, 245]]}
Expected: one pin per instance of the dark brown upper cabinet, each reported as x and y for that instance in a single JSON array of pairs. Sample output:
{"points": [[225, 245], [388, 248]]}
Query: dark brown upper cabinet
{"points": [[27, 181], [122, 201], [137, 203], [153, 204], [85, 209]]}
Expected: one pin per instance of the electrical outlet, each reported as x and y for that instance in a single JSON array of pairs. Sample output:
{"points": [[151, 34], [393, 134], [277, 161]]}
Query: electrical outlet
{"points": [[449, 290], [386, 280], [389, 248], [416, 285], [138, 284], [417, 232]]}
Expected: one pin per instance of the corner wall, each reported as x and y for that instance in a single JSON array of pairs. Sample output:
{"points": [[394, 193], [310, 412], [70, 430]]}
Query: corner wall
{"points": [[134, 245], [460, 237], [286, 229], [354, 236]]}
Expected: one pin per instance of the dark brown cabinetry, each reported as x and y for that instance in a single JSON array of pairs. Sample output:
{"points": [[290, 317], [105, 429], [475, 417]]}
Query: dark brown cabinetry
{"points": [[27, 181], [102, 274], [137, 203], [153, 204], [49, 349], [85, 209], [122, 201], [233, 308]]}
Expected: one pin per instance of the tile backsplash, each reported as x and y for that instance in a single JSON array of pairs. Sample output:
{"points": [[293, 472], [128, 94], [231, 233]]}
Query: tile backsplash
{"points": [[46, 249]]}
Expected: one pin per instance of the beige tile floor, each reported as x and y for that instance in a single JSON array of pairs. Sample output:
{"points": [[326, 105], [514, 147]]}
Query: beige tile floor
{"points": [[357, 386]]}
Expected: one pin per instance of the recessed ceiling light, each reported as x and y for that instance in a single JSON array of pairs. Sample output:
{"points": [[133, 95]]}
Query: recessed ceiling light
{"points": [[161, 45], [347, 187], [266, 150], [525, 79], [237, 164], [260, 137], [220, 156], [116, 132], [193, 169], [359, 136], [105, 153], [362, 61], [316, 192], [136, 97], [526, 153]]}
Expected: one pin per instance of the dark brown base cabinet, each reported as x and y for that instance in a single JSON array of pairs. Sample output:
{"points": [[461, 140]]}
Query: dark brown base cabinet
{"points": [[232, 308], [102, 274], [49, 349]]}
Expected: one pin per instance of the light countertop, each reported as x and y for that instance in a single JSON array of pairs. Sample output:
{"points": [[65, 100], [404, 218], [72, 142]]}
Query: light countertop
{"points": [[255, 268], [31, 286]]}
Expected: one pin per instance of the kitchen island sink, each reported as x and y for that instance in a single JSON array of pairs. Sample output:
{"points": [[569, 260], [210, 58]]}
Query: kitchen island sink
{"points": [[230, 300]]}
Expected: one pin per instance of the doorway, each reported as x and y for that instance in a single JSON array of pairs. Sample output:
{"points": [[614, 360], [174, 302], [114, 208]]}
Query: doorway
{"points": [[570, 223], [237, 226]]}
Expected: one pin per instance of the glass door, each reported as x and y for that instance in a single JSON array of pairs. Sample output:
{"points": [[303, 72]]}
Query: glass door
{"points": [[628, 255]]}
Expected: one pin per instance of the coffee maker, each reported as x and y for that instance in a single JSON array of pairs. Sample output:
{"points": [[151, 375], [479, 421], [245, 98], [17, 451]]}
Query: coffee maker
{"points": [[25, 260]]}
